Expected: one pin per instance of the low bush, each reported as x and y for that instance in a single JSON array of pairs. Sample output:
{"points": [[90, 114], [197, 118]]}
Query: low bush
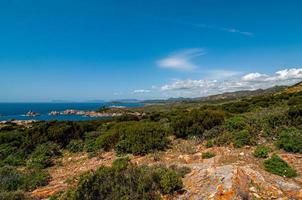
{"points": [[295, 101], [209, 143], [295, 114], [212, 133], [11, 179], [207, 155], [261, 152], [169, 180], [242, 138], [138, 138], [237, 138], [290, 141], [15, 195], [43, 155], [196, 122], [108, 139], [125, 181], [181, 171], [235, 123], [75, 146], [224, 139], [35, 179], [237, 107], [279, 167]]}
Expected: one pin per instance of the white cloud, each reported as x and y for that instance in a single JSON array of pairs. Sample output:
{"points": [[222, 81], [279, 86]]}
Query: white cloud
{"points": [[233, 30], [181, 60], [289, 74], [282, 75], [251, 81], [141, 91], [255, 77]]}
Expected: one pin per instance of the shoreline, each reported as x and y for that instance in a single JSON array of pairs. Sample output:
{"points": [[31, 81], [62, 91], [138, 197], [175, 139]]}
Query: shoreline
{"points": [[70, 113]]}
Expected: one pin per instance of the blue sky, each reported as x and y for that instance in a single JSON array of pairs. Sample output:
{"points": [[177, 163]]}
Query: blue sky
{"points": [[113, 49]]}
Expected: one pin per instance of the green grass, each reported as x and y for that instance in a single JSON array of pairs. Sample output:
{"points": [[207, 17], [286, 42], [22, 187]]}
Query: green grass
{"points": [[261, 152], [277, 166], [207, 155]]}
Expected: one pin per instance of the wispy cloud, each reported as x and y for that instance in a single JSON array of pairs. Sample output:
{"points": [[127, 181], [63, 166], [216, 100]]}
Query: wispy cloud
{"points": [[221, 28], [210, 26], [181, 60], [232, 30], [222, 74], [140, 91]]}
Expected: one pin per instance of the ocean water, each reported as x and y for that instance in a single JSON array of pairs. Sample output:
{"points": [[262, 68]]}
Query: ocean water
{"points": [[9, 111]]}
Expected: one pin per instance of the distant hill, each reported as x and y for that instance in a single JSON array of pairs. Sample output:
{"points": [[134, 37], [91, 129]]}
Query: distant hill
{"points": [[243, 93], [125, 101], [223, 96]]}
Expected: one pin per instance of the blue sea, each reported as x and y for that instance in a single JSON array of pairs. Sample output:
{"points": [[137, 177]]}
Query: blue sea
{"points": [[17, 111]]}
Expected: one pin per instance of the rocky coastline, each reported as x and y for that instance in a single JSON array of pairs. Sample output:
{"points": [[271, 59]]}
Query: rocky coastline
{"points": [[86, 113]]}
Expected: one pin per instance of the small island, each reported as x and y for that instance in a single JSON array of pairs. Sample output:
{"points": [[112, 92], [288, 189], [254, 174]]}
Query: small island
{"points": [[31, 114], [102, 112]]}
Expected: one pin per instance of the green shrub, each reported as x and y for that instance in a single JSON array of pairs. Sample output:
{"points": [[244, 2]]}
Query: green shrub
{"points": [[242, 138], [15, 195], [207, 155], [138, 138], [169, 180], [290, 141], [212, 133], [181, 171], [295, 101], [295, 114], [196, 122], [237, 107], [279, 167], [75, 146], [235, 123], [10, 179], [11, 152], [15, 159], [43, 155], [125, 181], [209, 143], [34, 179], [261, 152], [109, 139]]}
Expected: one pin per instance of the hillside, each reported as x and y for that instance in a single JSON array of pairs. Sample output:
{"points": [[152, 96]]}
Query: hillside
{"points": [[248, 146], [295, 88]]}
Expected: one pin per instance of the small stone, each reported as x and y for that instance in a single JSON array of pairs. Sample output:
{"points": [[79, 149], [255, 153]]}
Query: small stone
{"points": [[187, 158], [253, 189], [256, 195], [198, 154], [241, 154]]}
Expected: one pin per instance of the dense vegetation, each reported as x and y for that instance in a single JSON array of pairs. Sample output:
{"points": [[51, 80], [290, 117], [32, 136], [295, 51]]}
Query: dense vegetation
{"points": [[138, 138], [26, 152]]}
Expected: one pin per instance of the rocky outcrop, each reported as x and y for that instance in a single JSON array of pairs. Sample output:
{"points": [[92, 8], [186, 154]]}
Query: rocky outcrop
{"points": [[231, 182]]}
